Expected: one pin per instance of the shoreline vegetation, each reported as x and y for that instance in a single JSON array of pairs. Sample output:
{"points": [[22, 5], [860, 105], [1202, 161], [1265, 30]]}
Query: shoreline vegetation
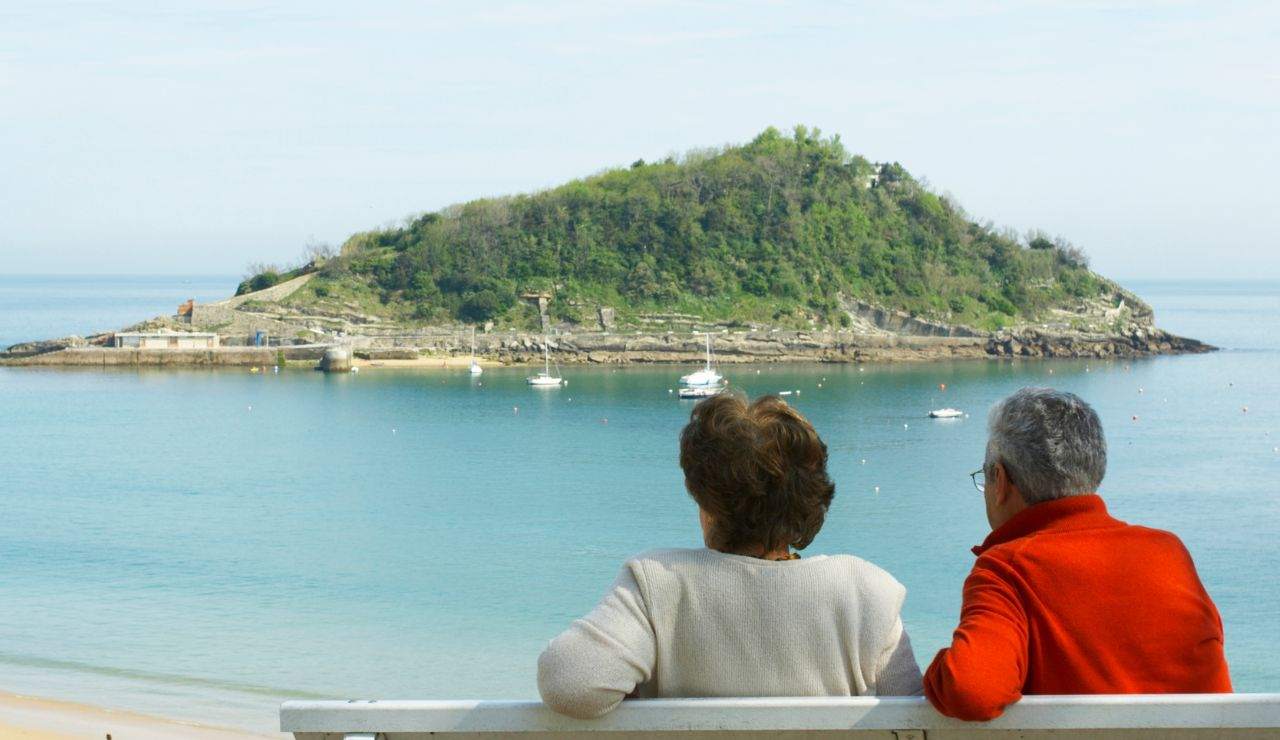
{"points": [[33, 718], [787, 248]]}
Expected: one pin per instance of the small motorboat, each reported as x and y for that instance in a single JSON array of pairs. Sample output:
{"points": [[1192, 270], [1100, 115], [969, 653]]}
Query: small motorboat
{"points": [[945, 413], [700, 391]]}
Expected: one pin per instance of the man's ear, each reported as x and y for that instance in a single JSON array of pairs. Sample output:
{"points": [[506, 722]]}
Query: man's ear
{"points": [[1003, 487]]}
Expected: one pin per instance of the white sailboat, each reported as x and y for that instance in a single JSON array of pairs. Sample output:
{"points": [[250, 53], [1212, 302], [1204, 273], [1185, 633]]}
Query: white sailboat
{"points": [[475, 366], [545, 379], [706, 377]]}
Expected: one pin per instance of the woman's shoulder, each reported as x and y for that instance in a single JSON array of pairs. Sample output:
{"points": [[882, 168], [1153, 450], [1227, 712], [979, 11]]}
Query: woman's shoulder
{"points": [[869, 576], [670, 556]]}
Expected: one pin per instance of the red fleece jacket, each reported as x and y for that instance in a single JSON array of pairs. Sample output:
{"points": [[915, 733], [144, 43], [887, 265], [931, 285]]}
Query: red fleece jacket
{"points": [[1064, 599]]}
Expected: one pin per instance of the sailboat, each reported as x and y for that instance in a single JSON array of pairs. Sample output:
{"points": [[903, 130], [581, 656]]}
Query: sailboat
{"points": [[545, 379], [707, 376], [475, 366]]}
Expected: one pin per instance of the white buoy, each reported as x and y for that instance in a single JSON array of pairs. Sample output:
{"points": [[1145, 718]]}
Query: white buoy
{"points": [[515, 409], [906, 426], [1140, 391], [393, 430], [877, 489], [819, 385], [864, 461], [251, 408]]}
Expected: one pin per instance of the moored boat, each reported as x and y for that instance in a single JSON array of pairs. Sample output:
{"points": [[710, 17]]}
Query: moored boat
{"points": [[545, 379]]}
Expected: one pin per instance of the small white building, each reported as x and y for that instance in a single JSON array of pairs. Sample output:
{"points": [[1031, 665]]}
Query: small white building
{"points": [[166, 340]]}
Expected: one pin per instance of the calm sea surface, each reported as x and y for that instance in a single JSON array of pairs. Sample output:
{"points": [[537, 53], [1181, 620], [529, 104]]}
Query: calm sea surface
{"points": [[203, 544]]}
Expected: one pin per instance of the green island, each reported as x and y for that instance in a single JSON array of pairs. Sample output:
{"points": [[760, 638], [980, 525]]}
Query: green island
{"points": [[788, 247], [783, 231]]}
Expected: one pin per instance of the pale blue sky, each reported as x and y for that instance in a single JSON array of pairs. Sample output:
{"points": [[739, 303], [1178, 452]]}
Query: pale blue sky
{"points": [[197, 137]]}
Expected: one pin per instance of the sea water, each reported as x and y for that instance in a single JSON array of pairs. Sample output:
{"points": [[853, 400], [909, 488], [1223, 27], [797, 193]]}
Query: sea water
{"points": [[203, 544]]}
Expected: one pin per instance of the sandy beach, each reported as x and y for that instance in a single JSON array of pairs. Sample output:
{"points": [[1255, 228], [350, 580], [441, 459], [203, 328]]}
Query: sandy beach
{"points": [[29, 718]]}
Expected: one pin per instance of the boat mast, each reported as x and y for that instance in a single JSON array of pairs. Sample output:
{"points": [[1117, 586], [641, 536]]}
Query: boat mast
{"points": [[546, 357], [708, 351]]}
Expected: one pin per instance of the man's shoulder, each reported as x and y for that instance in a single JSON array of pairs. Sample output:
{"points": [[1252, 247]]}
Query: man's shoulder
{"points": [[1041, 546]]}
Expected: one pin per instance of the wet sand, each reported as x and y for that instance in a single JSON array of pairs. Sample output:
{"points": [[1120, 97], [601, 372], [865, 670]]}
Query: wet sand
{"points": [[29, 718]]}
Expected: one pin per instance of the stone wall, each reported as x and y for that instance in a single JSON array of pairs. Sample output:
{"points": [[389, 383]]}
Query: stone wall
{"points": [[268, 295], [238, 327], [123, 357]]}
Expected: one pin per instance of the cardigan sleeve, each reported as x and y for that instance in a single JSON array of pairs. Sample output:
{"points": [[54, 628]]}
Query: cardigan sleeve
{"points": [[898, 673], [591, 667], [985, 668]]}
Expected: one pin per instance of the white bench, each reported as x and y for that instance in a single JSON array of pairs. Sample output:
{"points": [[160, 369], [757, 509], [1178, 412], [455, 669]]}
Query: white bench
{"points": [[1182, 716]]}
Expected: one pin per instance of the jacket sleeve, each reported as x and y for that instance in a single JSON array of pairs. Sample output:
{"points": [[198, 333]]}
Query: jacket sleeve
{"points": [[985, 668], [592, 666]]}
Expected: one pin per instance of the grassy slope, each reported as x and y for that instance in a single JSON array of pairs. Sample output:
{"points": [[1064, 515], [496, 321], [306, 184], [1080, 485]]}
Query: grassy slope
{"points": [[783, 231]]}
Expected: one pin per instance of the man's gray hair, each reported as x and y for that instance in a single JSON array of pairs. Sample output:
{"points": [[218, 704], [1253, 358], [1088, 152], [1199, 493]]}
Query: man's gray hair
{"points": [[1050, 443]]}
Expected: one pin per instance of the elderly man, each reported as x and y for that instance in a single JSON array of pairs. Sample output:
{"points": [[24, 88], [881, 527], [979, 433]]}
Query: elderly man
{"points": [[1064, 599]]}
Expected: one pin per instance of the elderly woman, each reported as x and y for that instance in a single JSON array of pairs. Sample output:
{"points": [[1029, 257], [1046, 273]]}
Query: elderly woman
{"points": [[745, 616]]}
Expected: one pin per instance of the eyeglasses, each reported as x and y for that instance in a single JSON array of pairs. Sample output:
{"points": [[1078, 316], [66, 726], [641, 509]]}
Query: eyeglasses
{"points": [[979, 484]]}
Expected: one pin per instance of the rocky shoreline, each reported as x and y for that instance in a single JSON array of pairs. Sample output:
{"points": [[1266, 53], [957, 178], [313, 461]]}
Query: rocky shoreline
{"points": [[622, 348], [1093, 330]]}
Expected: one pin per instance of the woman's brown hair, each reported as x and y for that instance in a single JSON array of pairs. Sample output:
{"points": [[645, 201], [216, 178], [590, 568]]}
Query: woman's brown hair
{"points": [[759, 470]]}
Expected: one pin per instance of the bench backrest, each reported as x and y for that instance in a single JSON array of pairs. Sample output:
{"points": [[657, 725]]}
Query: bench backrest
{"points": [[891, 718]]}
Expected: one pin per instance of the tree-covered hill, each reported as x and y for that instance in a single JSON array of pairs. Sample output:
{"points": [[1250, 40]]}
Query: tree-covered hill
{"points": [[785, 230]]}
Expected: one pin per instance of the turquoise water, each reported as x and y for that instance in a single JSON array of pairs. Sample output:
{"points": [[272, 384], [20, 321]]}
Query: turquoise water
{"points": [[47, 307], [202, 544]]}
